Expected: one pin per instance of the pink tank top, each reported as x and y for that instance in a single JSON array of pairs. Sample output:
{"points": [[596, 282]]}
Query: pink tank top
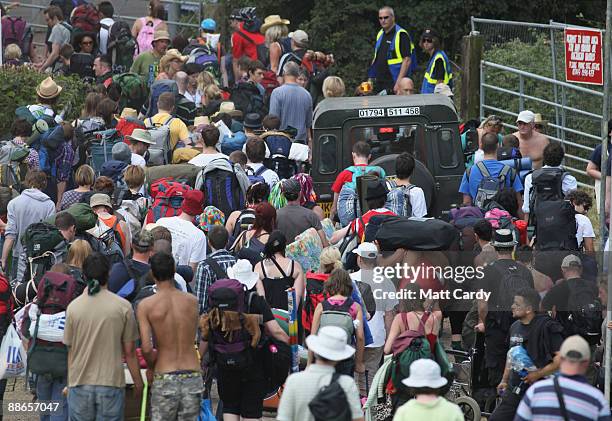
{"points": [[146, 35]]}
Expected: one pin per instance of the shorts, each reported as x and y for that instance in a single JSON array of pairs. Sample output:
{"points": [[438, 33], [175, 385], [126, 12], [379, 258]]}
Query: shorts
{"points": [[242, 392], [176, 395]]}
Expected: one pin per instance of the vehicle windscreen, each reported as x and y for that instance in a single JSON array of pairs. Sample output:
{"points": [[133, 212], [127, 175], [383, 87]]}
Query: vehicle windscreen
{"points": [[390, 139]]}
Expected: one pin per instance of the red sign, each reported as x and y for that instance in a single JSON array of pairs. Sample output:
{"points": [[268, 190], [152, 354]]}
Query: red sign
{"points": [[583, 56]]}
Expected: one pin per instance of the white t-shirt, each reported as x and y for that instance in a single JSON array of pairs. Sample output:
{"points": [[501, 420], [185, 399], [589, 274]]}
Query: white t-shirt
{"points": [[268, 175], [584, 228], [104, 35], [383, 304], [138, 160], [203, 159], [417, 202], [188, 241]]}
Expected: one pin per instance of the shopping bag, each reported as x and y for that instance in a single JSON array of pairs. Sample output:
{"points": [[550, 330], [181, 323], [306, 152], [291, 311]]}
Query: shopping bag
{"points": [[206, 413], [12, 355]]}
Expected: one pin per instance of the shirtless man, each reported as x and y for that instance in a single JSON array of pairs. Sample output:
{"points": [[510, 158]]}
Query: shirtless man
{"points": [[171, 317], [532, 143]]}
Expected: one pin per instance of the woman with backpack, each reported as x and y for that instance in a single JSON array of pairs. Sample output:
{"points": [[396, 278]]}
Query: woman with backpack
{"points": [[145, 27], [250, 244], [309, 198], [277, 42], [339, 288], [278, 273], [84, 179], [242, 220]]}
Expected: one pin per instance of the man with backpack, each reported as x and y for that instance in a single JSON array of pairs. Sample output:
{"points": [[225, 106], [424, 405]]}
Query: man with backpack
{"points": [[319, 390], [106, 10], [214, 267], [147, 64], [171, 318], [502, 279], [31, 206], [248, 96], [103, 70], [255, 149], [246, 37], [185, 109], [188, 242], [177, 130], [61, 34], [481, 182], [130, 275], [535, 337], [575, 303], [210, 136], [406, 199], [293, 104], [549, 183], [100, 332]]}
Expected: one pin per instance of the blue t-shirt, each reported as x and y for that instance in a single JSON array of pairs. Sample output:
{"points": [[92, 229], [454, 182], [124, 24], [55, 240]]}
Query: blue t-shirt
{"points": [[471, 186], [596, 157]]}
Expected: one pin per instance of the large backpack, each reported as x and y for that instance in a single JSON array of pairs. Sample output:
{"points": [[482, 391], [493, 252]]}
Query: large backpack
{"points": [[349, 206], [221, 188], [134, 285], [315, 283], [15, 30], [546, 186], [256, 176], [161, 152], [101, 148], [132, 91], [244, 222], [127, 125], [231, 350], [279, 144], [207, 58], [121, 46], [556, 226], [13, 169], [85, 18], [511, 282], [159, 87], [247, 98], [339, 315], [111, 242], [585, 311], [489, 185], [401, 196], [55, 291], [167, 199]]}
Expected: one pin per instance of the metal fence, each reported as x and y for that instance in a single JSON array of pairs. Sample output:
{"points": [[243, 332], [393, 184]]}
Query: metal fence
{"points": [[183, 16], [524, 68]]}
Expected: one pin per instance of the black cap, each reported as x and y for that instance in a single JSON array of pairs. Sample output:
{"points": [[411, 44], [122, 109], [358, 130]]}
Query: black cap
{"points": [[376, 189], [252, 121], [430, 33]]}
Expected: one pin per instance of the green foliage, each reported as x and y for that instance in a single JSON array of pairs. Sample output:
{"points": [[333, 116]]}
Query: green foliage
{"points": [[18, 87]]}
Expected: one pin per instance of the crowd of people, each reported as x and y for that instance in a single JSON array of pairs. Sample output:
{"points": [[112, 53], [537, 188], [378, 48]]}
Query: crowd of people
{"points": [[170, 237]]}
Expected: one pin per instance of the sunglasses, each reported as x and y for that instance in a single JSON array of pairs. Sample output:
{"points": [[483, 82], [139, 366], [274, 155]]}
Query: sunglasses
{"points": [[427, 40], [384, 17]]}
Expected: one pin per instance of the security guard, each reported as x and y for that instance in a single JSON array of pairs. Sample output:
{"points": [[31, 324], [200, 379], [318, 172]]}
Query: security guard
{"points": [[394, 55], [439, 68]]}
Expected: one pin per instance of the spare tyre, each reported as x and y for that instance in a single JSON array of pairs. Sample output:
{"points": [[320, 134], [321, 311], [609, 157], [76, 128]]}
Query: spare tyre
{"points": [[421, 176]]}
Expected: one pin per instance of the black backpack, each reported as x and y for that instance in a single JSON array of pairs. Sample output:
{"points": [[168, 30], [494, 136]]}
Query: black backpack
{"points": [[489, 185], [330, 404], [120, 46], [511, 282], [247, 98], [585, 311], [546, 186], [556, 225], [244, 222], [222, 190], [279, 145]]}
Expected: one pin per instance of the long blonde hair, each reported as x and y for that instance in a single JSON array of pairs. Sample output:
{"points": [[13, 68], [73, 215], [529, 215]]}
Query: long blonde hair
{"points": [[79, 250], [275, 33], [330, 259]]}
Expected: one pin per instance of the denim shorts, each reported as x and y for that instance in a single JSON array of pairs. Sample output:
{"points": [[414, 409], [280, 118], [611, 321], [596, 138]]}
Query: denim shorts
{"points": [[96, 403]]}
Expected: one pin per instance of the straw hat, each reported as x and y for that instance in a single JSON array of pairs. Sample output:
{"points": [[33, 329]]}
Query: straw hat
{"points": [[48, 89], [172, 54], [160, 34], [539, 120], [129, 113], [271, 21], [201, 120]]}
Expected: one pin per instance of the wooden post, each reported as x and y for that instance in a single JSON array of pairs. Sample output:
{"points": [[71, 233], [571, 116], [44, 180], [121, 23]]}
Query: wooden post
{"points": [[470, 77]]}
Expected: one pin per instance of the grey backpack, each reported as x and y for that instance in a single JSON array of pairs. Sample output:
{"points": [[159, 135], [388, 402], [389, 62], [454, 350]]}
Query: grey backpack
{"points": [[340, 316]]}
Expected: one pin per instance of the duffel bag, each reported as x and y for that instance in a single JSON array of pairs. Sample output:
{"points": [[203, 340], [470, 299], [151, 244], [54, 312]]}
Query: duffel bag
{"points": [[186, 173], [418, 234]]}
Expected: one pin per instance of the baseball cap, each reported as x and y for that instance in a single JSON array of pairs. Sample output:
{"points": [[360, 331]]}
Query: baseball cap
{"points": [[571, 260], [300, 37], [575, 348], [367, 250], [525, 116]]}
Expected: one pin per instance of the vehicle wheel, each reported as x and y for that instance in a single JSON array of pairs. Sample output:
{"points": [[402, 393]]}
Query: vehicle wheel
{"points": [[469, 407], [421, 176]]}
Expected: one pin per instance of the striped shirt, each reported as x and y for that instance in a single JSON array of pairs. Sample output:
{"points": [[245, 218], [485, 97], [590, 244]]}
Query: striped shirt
{"points": [[205, 275], [582, 401]]}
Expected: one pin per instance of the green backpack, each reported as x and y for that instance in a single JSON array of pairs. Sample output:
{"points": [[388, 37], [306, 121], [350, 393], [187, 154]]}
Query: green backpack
{"points": [[83, 214], [133, 92]]}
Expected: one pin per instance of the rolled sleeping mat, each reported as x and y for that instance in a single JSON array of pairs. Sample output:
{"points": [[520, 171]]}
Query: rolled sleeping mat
{"points": [[179, 172]]}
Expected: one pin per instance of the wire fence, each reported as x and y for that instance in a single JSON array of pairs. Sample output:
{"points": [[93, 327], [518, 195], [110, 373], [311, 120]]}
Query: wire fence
{"points": [[524, 68]]}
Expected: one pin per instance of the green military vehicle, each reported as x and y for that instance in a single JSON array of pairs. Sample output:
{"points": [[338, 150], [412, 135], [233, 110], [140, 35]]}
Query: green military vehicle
{"points": [[425, 125]]}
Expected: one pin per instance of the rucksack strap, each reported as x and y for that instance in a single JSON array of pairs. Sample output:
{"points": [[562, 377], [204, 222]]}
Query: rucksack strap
{"points": [[483, 169], [279, 268], [216, 268], [564, 413], [245, 36]]}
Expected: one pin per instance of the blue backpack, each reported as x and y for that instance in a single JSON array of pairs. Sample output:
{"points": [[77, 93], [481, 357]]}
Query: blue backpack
{"points": [[279, 145], [256, 176], [234, 143], [348, 200], [158, 88]]}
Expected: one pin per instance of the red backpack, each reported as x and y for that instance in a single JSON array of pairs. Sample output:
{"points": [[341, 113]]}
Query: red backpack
{"points": [[55, 291], [167, 199], [314, 296], [126, 126], [85, 18]]}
